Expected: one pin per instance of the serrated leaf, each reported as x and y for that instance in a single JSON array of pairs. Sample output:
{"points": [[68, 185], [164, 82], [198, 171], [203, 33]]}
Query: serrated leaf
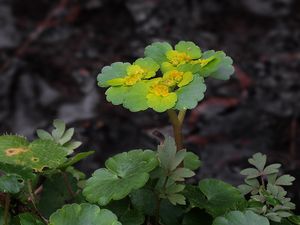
{"points": [[245, 189], [136, 97], [116, 95], [181, 173], [59, 130], [221, 68], [166, 153], [189, 95], [241, 218], [29, 219], [195, 196], [67, 136], [37, 155], [295, 219], [144, 200], [42, 134], [157, 51], [115, 70], [221, 197], [11, 183], [83, 214], [191, 161], [177, 199], [259, 161], [56, 193], [132, 217], [285, 180], [273, 168], [123, 173], [189, 48], [75, 159], [250, 173], [170, 214], [179, 157]]}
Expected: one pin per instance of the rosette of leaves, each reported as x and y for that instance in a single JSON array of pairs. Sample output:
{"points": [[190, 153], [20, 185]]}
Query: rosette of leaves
{"points": [[83, 214], [178, 85], [175, 167], [124, 173], [266, 189], [61, 136]]}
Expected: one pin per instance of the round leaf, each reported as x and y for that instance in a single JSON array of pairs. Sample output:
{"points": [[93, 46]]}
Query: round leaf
{"points": [[189, 95], [241, 218], [115, 70], [189, 48], [123, 173], [157, 51], [84, 214]]}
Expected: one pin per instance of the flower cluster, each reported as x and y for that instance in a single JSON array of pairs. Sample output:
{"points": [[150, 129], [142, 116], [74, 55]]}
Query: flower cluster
{"points": [[166, 78]]}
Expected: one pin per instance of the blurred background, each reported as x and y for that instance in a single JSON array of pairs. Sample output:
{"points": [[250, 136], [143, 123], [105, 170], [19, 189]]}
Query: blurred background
{"points": [[52, 50]]}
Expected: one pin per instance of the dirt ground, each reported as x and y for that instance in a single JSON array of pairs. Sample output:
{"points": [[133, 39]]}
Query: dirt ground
{"points": [[52, 50]]}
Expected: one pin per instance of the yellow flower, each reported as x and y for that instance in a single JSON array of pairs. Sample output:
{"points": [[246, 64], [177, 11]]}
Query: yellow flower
{"points": [[179, 78], [177, 58]]}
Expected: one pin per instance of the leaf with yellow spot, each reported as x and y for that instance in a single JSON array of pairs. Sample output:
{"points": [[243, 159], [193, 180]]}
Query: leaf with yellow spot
{"points": [[39, 154], [115, 70]]}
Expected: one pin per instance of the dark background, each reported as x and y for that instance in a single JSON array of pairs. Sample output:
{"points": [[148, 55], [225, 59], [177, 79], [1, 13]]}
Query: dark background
{"points": [[51, 52]]}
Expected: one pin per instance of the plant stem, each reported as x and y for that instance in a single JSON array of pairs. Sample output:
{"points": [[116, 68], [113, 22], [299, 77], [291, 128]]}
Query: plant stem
{"points": [[177, 121], [32, 199], [6, 209], [68, 185]]}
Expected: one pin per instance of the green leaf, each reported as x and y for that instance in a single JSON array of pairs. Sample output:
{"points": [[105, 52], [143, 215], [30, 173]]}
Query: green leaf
{"points": [[116, 95], [115, 70], [241, 218], [37, 155], [136, 97], [221, 68], [29, 219], [189, 48], [295, 219], [42, 134], [56, 193], [132, 217], [66, 136], [189, 95], [161, 103], [181, 173], [59, 130], [192, 161], [83, 214], [166, 153], [144, 200], [170, 214], [11, 183], [157, 51], [285, 180], [76, 158], [195, 196], [149, 65], [123, 173], [259, 161], [273, 168], [22, 171], [245, 189], [221, 197], [250, 173], [177, 199]]}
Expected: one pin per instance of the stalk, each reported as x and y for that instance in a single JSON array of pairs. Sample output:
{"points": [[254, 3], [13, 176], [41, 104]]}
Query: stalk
{"points": [[177, 121]]}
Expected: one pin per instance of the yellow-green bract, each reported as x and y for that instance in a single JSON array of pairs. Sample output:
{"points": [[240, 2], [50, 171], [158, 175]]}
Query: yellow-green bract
{"points": [[167, 78]]}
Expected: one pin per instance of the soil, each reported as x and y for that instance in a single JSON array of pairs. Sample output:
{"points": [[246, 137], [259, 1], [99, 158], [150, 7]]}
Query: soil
{"points": [[52, 51]]}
